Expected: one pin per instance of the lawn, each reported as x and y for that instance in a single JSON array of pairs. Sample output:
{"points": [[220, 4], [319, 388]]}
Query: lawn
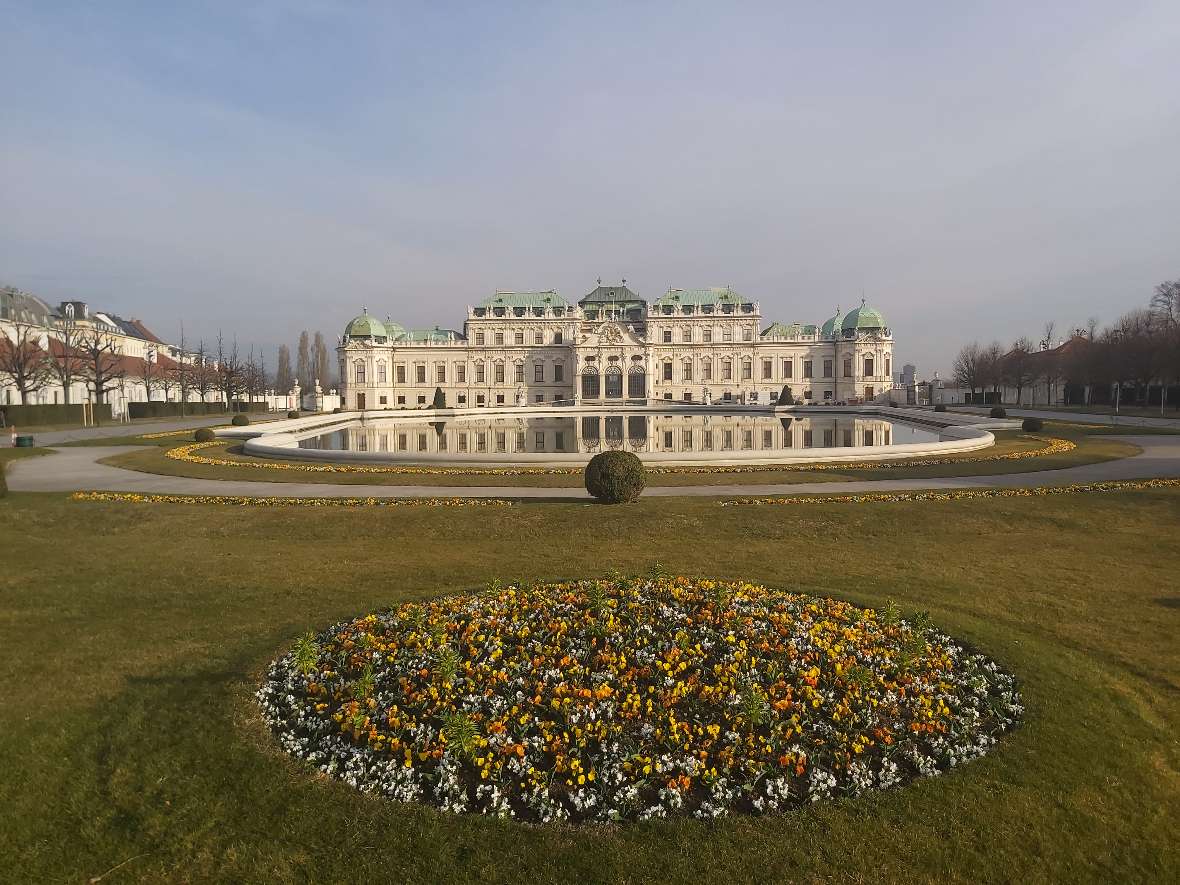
{"points": [[1089, 450], [135, 636]]}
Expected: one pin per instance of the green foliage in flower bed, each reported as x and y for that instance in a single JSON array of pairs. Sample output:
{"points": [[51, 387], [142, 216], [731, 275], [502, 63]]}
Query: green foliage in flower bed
{"points": [[1032, 425], [615, 477], [240, 420], [204, 434], [633, 699]]}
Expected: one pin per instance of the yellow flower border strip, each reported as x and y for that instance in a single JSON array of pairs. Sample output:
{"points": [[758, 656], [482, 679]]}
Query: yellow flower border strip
{"points": [[189, 453], [246, 501], [166, 433], [1117, 485]]}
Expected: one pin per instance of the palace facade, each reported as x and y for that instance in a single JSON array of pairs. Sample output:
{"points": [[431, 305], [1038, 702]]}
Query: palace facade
{"points": [[690, 345]]}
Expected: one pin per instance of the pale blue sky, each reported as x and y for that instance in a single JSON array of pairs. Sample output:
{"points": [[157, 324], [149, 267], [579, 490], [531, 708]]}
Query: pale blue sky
{"points": [[269, 166]]}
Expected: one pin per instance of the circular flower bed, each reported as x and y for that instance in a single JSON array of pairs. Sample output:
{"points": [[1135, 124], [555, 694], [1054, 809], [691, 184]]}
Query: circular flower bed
{"points": [[634, 698]]}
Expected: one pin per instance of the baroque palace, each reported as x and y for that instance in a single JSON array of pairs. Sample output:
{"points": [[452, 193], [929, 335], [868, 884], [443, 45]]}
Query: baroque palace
{"points": [[691, 345]]}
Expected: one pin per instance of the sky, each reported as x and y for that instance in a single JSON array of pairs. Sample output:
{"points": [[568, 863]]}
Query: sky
{"points": [[972, 170]]}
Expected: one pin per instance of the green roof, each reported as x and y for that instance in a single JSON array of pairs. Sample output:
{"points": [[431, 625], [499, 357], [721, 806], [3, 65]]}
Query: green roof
{"points": [[783, 330], [525, 299], [612, 295], [831, 326], [365, 326], [715, 295], [863, 317], [434, 336]]}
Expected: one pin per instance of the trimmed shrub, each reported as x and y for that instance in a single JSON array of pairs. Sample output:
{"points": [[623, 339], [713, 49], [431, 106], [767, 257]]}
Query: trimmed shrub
{"points": [[1032, 425], [785, 397], [998, 412], [337, 410], [893, 404], [940, 407], [440, 399], [204, 434], [294, 413], [615, 477], [240, 420]]}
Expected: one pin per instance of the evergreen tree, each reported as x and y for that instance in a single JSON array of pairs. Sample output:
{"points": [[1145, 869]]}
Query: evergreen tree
{"points": [[284, 380]]}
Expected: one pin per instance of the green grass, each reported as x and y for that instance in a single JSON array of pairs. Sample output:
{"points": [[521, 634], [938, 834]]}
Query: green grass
{"points": [[1088, 451], [134, 636]]}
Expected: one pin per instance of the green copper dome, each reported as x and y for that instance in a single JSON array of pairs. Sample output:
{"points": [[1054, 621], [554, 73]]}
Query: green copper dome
{"points": [[366, 326], [830, 327], [864, 317]]}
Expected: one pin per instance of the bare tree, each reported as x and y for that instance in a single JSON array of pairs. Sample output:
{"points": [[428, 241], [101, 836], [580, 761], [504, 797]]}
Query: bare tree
{"points": [[1166, 302], [149, 374], [229, 371], [322, 365], [1017, 366], [284, 380], [103, 366], [203, 376], [303, 361], [967, 369], [182, 373], [24, 362], [65, 359], [991, 368]]}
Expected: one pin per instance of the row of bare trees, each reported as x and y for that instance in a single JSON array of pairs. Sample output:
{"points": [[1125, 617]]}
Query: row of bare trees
{"points": [[1140, 351], [34, 360]]}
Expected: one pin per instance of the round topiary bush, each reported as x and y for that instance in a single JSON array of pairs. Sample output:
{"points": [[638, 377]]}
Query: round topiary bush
{"points": [[204, 434], [940, 408], [1033, 425], [893, 404], [337, 410], [615, 477], [240, 420], [998, 412], [294, 413], [634, 698]]}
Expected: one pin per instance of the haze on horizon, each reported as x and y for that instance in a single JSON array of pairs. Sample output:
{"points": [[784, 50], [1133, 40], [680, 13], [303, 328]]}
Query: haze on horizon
{"points": [[265, 167]]}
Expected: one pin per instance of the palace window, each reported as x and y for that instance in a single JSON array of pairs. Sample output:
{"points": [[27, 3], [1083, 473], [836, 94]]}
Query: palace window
{"points": [[807, 368], [421, 400], [726, 440], [707, 335], [868, 437], [768, 439], [557, 338], [706, 370], [480, 373], [829, 438], [636, 383], [614, 384], [686, 440], [538, 371], [461, 373], [788, 368], [558, 372], [827, 368], [539, 398], [499, 399], [499, 373], [666, 371], [538, 338], [421, 442], [848, 367], [668, 440], [420, 374], [888, 367], [726, 369], [727, 334], [499, 339], [590, 425], [359, 372], [747, 439], [748, 335], [868, 367], [440, 373], [807, 439], [481, 442], [381, 372], [686, 334], [747, 370], [518, 373], [827, 394], [401, 374], [518, 338], [539, 441], [687, 370], [667, 336], [501, 441], [868, 393], [707, 445], [848, 438], [479, 339], [558, 441], [767, 369], [401, 442], [589, 385]]}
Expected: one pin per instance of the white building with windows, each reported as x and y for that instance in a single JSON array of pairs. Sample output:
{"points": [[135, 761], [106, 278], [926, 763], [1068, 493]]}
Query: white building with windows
{"points": [[690, 345]]}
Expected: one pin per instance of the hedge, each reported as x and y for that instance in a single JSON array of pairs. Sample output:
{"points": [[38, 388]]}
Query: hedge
{"points": [[998, 412], [615, 477], [240, 405], [1032, 425], [160, 409], [56, 413]]}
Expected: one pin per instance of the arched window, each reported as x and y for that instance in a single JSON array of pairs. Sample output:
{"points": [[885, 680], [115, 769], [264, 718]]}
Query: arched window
{"points": [[614, 384], [358, 371], [637, 382], [590, 382], [557, 338]]}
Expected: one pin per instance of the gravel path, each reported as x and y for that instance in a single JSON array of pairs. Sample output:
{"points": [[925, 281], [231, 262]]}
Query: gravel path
{"points": [[74, 469]]}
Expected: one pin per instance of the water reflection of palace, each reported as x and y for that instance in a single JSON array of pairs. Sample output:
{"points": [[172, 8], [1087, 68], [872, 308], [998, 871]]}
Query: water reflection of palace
{"points": [[636, 433]]}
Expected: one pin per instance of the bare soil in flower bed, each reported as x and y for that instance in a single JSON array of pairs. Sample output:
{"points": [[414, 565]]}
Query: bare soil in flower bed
{"points": [[620, 699]]}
